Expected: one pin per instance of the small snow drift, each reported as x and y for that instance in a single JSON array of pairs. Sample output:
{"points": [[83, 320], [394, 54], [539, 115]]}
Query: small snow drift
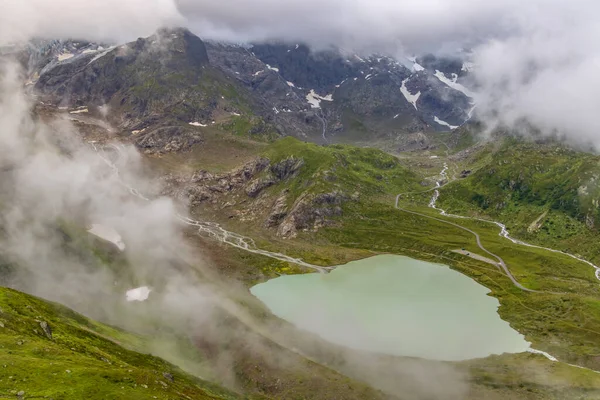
{"points": [[107, 233], [197, 124], [138, 294], [273, 68], [467, 66], [453, 84], [65, 56], [411, 98], [416, 67], [80, 111], [444, 123], [315, 100]]}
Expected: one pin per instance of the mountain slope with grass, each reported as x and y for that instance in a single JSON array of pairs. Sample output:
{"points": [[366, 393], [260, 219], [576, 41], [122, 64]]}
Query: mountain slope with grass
{"points": [[49, 351], [367, 223], [545, 193], [294, 187]]}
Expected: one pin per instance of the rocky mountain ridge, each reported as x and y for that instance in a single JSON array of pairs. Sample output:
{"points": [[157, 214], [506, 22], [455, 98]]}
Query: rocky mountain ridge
{"points": [[159, 85]]}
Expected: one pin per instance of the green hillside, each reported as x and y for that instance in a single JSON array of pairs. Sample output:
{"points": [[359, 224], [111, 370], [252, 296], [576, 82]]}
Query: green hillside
{"points": [[76, 358], [544, 192]]}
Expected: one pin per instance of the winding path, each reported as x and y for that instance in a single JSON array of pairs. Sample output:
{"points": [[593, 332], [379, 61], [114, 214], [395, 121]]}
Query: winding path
{"points": [[501, 263], [213, 229], [503, 231]]}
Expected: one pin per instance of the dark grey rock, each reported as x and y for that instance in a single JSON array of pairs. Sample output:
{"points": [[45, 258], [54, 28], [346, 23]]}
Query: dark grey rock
{"points": [[46, 328]]}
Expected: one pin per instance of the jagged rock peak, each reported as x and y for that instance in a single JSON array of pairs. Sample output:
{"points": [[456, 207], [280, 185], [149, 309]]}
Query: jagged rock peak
{"points": [[180, 40]]}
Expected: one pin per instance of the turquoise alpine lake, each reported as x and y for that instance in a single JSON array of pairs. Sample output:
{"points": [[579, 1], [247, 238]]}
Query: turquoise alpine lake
{"points": [[395, 305]]}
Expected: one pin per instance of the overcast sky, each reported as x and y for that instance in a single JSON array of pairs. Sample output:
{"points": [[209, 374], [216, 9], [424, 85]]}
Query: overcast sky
{"points": [[536, 58]]}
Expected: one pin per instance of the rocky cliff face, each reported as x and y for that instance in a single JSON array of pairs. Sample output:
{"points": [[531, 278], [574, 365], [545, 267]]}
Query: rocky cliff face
{"points": [[245, 193], [97, 77], [173, 78], [379, 88]]}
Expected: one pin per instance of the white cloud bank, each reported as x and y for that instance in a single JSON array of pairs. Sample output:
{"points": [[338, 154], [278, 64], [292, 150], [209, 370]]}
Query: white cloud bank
{"points": [[536, 60]]}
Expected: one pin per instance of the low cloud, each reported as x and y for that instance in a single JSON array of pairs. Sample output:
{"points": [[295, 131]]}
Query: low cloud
{"points": [[545, 74], [537, 61], [101, 20]]}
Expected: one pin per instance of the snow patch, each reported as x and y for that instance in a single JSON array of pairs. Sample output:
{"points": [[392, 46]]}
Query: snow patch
{"points": [[359, 59], [290, 84], [138, 131], [197, 124], [107, 233], [368, 76], [258, 72], [297, 46], [467, 67], [418, 67], [236, 114], [80, 111], [396, 116], [138, 294], [273, 68], [411, 98], [543, 353], [453, 84], [314, 99], [105, 52], [444, 123], [276, 110], [65, 56]]}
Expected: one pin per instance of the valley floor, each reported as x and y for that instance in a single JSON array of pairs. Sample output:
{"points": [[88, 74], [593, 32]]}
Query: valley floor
{"points": [[372, 203]]}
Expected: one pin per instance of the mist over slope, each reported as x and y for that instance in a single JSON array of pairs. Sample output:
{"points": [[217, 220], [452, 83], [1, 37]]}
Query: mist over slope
{"points": [[160, 93], [55, 186], [532, 63]]}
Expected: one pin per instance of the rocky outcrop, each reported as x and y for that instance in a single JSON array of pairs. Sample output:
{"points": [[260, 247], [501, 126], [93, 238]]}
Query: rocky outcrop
{"points": [[206, 187], [167, 139], [258, 185], [243, 193], [279, 210], [311, 212], [46, 329], [287, 168], [590, 221]]}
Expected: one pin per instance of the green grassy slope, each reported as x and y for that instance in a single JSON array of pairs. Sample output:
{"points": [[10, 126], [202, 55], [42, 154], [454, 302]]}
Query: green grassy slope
{"points": [[563, 319], [544, 193], [370, 172], [80, 360]]}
